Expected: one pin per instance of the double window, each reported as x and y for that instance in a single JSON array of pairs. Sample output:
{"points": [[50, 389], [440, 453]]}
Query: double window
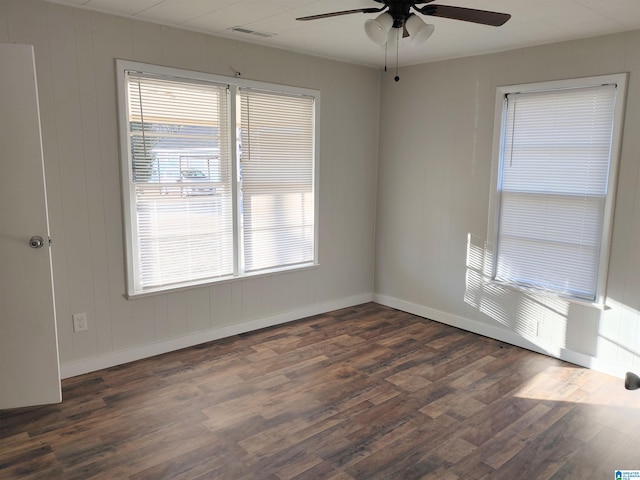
{"points": [[219, 177], [556, 161]]}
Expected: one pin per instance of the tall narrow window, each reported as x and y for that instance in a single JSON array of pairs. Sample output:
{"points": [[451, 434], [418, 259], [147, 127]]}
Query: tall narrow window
{"points": [[555, 185], [277, 179], [197, 209]]}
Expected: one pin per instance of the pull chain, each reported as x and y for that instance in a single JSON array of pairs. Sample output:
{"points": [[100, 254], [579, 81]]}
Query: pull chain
{"points": [[397, 78], [397, 56], [385, 55]]}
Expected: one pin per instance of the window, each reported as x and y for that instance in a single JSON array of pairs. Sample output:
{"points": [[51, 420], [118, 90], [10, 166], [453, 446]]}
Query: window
{"points": [[218, 177], [555, 172]]}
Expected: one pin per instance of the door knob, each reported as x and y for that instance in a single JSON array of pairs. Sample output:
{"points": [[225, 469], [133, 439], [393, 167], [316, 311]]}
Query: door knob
{"points": [[36, 242]]}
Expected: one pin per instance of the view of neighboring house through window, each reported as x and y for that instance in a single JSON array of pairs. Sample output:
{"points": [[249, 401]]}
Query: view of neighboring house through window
{"points": [[555, 184], [218, 177]]}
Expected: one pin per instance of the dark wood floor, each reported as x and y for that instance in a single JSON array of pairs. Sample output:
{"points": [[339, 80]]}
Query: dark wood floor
{"points": [[361, 393]]}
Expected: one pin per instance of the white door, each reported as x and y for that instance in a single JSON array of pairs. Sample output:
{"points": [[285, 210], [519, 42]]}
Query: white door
{"points": [[29, 367]]}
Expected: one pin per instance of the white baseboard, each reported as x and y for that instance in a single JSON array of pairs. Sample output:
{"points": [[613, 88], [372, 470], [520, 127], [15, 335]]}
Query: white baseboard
{"points": [[500, 334], [112, 359]]}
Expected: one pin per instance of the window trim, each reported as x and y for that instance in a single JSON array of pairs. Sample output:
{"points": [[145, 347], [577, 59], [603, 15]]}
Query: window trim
{"points": [[621, 80], [128, 194]]}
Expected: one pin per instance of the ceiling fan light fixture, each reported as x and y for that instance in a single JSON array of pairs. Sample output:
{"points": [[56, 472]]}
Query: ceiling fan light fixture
{"points": [[377, 28], [418, 30]]}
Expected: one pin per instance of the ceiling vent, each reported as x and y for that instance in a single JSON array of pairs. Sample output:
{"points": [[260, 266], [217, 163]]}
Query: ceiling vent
{"points": [[252, 32]]}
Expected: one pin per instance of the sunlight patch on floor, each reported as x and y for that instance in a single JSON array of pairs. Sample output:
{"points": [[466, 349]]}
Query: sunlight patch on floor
{"points": [[577, 385]]}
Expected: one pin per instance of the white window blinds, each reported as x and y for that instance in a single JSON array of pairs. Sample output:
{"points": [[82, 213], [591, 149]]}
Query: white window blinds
{"points": [[277, 165], [218, 177], [180, 180], [553, 184]]}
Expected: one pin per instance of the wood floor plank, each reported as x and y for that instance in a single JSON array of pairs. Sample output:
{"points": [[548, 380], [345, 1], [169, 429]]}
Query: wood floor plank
{"points": [[361, 393]]}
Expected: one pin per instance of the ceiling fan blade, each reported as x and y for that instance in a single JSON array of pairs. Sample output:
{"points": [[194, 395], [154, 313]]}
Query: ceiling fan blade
{"points": [[343, 12], [484, 17]]}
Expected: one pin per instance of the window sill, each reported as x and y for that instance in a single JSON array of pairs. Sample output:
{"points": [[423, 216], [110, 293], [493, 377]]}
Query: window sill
{"points": [[547, 293]]}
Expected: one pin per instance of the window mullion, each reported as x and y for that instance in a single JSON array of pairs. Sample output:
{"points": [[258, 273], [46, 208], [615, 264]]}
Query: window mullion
{"points": [[236, 193]]}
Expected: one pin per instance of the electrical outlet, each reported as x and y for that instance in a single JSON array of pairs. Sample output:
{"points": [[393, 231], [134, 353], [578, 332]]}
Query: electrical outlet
{"points": [[80, 322]]}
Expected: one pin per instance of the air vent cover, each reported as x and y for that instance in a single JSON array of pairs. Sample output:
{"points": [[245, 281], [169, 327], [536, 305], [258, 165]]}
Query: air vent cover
{"points": [[252, 32]]}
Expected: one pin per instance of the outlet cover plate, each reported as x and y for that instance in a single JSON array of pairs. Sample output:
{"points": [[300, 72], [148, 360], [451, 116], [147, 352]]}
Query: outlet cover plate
{"points": [[80, 322]]}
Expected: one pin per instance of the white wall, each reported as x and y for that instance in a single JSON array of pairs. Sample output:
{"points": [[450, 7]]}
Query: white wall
{"points": [[432, 206], [75, 52], [433, 197]]}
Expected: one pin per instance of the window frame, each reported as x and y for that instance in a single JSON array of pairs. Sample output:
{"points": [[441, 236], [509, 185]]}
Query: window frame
{"points": [[495, 201], [128, 194]]}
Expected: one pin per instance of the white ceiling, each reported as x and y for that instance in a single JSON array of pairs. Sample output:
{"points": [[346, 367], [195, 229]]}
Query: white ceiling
{"points": [[533, 22]]}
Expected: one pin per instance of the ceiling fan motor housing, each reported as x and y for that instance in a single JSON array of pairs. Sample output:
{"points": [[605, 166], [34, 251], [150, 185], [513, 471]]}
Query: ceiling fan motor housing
{"points": [[399, 10]]}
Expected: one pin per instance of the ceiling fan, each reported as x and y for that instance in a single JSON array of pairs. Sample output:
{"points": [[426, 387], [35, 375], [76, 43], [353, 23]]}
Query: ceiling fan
{"points": [[400, 12], [397, 16]]}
